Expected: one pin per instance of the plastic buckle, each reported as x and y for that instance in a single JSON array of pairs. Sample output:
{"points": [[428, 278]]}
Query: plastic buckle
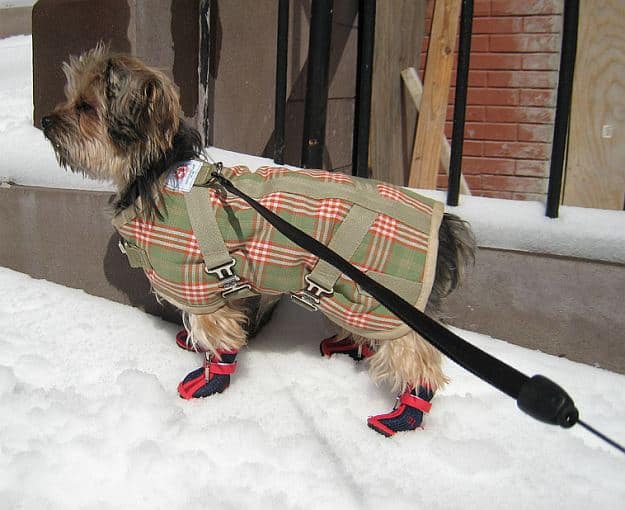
{"points": [[310, 297], [122, 246], [228, 280]]}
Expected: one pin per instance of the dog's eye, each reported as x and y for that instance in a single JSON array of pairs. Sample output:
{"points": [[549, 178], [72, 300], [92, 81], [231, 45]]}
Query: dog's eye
{"points": [[84, 107]]}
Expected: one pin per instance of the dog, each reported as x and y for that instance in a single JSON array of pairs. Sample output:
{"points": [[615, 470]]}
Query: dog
{"points": [[121, 121]]}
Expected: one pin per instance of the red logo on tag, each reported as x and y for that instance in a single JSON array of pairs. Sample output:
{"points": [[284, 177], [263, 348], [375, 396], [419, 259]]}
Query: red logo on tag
{"points": [[181, 172]]}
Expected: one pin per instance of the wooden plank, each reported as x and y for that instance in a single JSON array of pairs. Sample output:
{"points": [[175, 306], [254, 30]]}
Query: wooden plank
{"points": [[415, 89], [595, 173], [431, 126], [399, 27]]}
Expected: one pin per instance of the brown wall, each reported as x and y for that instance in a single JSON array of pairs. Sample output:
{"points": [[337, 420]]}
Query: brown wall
{"points": [[243, 35], [164, 33]]}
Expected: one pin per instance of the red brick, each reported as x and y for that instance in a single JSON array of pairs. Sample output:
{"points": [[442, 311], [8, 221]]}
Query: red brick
{"points": [[422, 62], [441, 181], [429, 8], [500, 97], [518, 184], [517, 150], [519, 114], [523, 79], [541, 61], [532, 168], [534, 197], [481, 8], [427, 26], [499, 61], [488, 166], [497, 25], [535, 133], [451, 98], [472, 148], [476, 78], [474, 181], [542, 24], [492, 194], [487, 131], [479, 44], [516, 7], [537, 98], [472, 113], [524, 43]]}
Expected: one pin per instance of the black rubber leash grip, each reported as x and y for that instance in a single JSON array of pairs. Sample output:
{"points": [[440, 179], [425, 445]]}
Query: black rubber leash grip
{"points": [[544, 400]]}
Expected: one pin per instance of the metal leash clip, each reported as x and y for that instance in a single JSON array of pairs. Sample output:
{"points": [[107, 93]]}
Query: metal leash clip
{"points": [[214, 182], [310, 297], [228, 280]]}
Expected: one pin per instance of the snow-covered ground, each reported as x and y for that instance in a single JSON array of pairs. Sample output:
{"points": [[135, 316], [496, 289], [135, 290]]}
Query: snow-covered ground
{"points": [[90, 418]]}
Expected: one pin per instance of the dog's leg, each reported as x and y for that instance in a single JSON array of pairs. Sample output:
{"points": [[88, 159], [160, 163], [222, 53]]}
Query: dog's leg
{"points": [[220, 336], [413, 368], [357, 348]]}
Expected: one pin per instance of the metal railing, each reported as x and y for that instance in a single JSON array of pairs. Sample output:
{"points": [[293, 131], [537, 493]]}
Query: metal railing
{"points": [[317, 92]]}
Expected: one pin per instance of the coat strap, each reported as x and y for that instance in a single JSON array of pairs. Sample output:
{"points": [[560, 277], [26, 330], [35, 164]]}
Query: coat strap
{"points": [[137, 257], [217, 260], [345, 241]]}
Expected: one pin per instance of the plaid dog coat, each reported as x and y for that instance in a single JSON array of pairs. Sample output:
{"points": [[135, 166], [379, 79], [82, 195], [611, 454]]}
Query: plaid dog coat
{"points": [[210, 247]]}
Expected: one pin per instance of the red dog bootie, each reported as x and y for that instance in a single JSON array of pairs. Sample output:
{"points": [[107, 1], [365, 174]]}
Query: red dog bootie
{"points": [[407, 413], [213, 377], [184, 342], [357, 352]]}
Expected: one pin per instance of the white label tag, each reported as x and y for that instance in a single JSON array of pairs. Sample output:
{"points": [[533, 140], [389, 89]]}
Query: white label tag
{"points": [[182, 176]]}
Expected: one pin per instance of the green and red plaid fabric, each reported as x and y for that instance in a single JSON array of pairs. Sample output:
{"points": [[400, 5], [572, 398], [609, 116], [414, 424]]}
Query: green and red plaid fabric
{"points": [[398, 252]]}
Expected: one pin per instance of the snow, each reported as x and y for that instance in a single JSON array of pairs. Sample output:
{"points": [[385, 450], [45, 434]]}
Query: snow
{"points": [[91, 419]]}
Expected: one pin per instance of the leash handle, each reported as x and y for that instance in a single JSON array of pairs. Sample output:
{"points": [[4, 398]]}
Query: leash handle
{"points": [[544, 400], [539, 397]]}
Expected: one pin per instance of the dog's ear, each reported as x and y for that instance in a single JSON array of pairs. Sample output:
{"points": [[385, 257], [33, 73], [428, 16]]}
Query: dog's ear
{"points": [[115, 76], [163, 110], [142, 105]]}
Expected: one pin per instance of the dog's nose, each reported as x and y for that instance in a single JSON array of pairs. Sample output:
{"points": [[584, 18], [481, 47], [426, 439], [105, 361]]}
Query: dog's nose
{"points": [[47, 121]]}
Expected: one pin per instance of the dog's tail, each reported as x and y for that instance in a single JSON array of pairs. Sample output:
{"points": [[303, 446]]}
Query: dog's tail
{"points": [[456, 253]]}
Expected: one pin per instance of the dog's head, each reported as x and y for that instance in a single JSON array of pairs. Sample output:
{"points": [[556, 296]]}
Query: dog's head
{"points": [[119, 116]]}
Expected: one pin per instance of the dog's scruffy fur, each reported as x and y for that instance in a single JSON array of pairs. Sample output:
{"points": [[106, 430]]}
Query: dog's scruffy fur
{"points": [[121, 121]]}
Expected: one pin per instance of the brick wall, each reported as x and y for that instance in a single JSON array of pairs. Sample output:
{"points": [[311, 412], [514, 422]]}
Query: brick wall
{"points": [[511, 100]]}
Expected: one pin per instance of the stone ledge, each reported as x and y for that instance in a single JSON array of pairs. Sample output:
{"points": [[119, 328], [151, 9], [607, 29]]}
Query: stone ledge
{"points": [[15, 21]]}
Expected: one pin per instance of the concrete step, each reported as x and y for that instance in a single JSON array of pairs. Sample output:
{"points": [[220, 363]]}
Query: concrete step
{"points": [[15, 18]]}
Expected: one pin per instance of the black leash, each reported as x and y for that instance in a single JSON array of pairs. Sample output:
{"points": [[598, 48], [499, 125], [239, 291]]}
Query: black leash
{"points": [[537, 396]]}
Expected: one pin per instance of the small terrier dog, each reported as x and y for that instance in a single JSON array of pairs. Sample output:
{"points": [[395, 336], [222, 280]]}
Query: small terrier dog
{"points": [[121, 122]]}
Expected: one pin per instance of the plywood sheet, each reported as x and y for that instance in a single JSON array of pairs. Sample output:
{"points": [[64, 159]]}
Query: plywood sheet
{"points": [[595, 173]]}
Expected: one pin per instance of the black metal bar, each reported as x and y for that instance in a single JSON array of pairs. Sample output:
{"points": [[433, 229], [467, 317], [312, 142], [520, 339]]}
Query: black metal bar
{"points": [[281, 74], [460, 104], [317, 83], [362, 117], [563, 105], [204, 70]]}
